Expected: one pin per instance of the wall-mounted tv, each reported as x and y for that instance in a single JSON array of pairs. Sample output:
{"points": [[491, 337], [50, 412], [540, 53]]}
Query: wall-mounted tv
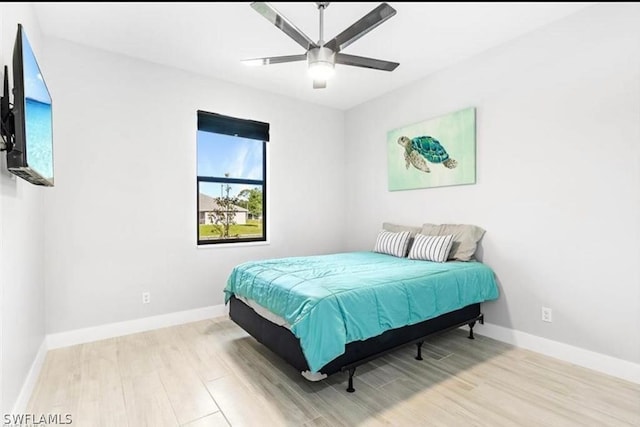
{"points": [[27, 128]]}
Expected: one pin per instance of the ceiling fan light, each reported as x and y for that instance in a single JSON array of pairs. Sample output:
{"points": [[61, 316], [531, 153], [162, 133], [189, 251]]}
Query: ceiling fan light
{"points": [[321, 63], [321, 70]]}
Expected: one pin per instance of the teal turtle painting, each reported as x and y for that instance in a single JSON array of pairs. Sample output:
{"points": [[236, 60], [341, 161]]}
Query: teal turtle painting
{"points": [[419, 150], [437, 152]]}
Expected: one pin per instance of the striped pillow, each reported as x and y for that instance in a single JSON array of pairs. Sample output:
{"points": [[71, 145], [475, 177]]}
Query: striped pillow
{"points": [[395, 244], [431, 248]]}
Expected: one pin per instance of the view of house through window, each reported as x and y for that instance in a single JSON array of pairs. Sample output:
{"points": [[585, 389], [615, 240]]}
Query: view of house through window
{"points": [[231, 181]]}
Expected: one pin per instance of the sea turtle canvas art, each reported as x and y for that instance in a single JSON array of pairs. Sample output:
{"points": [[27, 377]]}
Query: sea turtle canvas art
{"points": [[433, 153], [422, 149]]}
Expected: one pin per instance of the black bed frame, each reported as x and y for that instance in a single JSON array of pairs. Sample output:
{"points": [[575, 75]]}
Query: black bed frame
{"points": [[282, 341]]}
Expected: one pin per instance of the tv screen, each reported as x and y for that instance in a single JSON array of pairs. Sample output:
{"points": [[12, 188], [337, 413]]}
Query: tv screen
{"points": [[32, 155]]}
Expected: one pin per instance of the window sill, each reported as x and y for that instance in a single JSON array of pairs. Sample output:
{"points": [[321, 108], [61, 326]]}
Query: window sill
{"points": [[233, 245]]}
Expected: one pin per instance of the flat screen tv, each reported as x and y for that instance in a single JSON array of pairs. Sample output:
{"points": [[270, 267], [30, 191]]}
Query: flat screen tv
{"points": [[28, 125]]}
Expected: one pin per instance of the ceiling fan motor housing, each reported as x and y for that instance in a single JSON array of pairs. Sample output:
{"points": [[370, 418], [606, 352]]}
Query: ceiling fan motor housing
{"points": [[321, 54]]}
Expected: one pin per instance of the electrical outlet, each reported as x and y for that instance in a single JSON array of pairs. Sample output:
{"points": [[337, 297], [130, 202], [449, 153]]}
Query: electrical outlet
{"points": [[547, 314], [146, 297]]}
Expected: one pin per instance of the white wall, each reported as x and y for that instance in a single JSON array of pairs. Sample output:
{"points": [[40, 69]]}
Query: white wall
{"points": [[558, 174], [125, 146], [21, 242]]}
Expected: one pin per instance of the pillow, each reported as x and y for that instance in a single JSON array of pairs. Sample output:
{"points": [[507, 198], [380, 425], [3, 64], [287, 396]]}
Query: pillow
{"points": [[431, 248], [465, 238], [392, 243], [396, 228]]}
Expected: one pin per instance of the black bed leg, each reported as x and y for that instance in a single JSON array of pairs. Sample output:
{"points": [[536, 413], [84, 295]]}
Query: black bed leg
{"points": [[482, 319], [419, 344], [350, 388], [471, 325]]}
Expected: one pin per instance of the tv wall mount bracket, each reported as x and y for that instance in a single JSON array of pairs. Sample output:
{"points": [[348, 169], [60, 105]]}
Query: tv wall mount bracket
{"points": [[7, 125]]}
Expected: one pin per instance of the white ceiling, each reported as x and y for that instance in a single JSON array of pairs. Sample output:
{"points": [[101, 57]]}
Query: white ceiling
{"points": [[212, 38]]}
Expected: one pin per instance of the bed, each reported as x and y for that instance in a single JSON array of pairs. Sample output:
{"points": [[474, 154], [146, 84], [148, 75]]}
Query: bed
{"points": [[330, 313]]}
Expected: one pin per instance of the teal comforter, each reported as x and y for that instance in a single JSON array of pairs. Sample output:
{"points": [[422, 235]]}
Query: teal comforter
{"points": [[331, 300]]}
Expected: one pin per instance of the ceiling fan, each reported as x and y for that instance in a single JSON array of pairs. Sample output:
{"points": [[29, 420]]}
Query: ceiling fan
{"points": [[322, 56]]}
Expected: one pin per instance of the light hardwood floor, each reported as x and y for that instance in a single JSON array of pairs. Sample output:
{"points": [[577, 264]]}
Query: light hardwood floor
{"points": [[211, 373]]}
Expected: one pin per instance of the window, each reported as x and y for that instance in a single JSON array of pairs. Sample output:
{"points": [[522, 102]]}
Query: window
{"points": [[231, 180]]}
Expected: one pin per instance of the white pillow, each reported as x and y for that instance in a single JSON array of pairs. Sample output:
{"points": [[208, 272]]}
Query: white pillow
{"points": [[431, 248], [392, 243], [465, 238], [396, 228]]}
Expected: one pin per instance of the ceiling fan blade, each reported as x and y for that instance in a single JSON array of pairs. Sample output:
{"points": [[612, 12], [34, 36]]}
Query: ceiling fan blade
{"points": [[360, 61], [319, 84], [367, 23], [275, 59], [273, 16]]}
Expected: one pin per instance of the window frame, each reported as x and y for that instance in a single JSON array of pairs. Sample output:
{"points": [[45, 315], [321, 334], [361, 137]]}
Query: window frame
{"points": [[226, 180]]}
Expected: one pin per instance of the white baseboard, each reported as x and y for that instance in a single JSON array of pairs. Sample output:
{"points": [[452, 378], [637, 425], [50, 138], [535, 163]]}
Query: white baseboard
{"points": [[578, 356], [110, 330], [29, 384]]}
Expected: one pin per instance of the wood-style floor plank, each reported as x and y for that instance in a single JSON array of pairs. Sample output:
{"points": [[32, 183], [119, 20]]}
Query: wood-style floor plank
{"points": [[101, 400], [59, 385], [211, 373], [186, 392], [213, 420], [201, 352], [147, 402], [241, 407]]}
